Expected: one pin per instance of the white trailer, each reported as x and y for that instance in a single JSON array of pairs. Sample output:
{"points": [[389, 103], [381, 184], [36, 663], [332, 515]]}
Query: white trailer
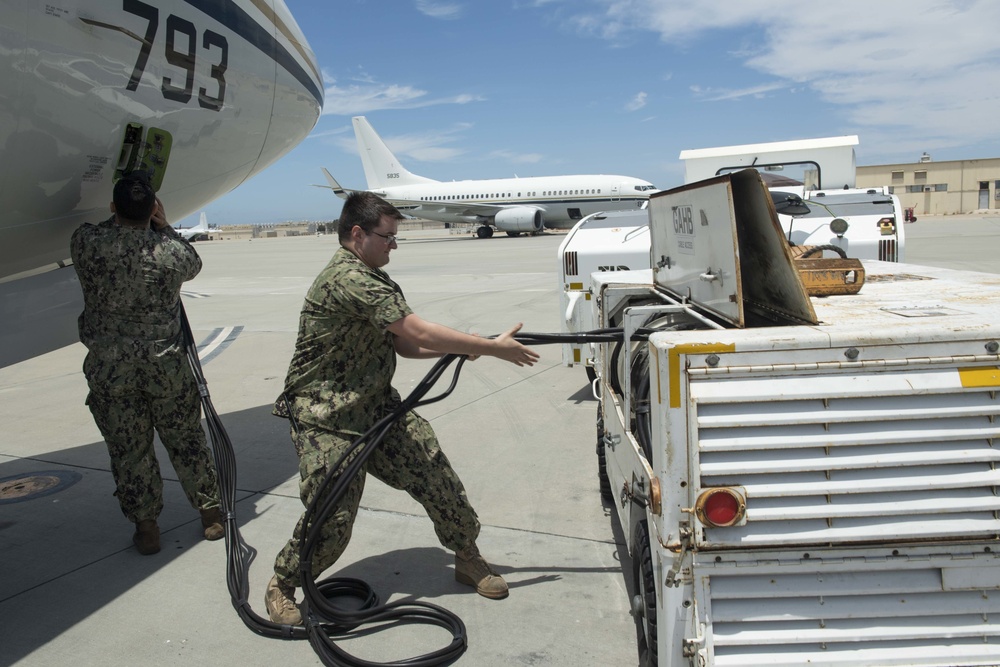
{"points": [[611, 241], [802, 481]]}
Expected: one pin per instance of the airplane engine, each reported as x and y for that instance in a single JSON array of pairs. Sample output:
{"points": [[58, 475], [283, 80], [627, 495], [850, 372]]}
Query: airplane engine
{"points": [[519, 219]]}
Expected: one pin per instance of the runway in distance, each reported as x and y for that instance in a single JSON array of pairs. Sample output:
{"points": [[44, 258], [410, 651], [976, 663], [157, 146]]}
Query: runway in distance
{"points": [[511, 205], [200, 95]]}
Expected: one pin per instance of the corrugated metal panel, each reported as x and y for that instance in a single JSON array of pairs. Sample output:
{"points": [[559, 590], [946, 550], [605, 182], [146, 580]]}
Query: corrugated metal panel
{"points": [[846, 458], [857, 610]]}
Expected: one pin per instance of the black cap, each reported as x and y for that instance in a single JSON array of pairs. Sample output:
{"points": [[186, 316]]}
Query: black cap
{"points": [[138, 175]]}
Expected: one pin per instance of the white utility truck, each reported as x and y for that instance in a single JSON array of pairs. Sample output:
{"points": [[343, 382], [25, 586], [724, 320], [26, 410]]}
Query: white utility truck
{"points": [[840, 219], [864, 224], [802, 480]]}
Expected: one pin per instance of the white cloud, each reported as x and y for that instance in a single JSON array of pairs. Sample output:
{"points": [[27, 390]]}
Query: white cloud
{"points": [[902, 67], [637, 102], [425, 147], [430, 146], [336, 132], [517, 158], [716, 95], [440, 10], [365, 95]]}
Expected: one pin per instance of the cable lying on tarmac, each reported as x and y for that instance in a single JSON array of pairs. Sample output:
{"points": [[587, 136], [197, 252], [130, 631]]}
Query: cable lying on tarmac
{"points": [[322, 619]]}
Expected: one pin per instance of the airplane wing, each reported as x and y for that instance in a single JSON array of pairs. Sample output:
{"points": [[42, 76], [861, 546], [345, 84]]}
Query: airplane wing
{"points": [[470, 210]]}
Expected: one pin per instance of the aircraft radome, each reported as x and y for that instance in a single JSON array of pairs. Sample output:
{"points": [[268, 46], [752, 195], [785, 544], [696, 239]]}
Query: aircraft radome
{"points": [[202, 95]]}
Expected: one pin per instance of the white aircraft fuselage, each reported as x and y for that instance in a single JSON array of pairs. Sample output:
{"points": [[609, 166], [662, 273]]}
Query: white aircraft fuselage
{"points": [[235, 87], [512, 205], [561, 200], [200, 94]]}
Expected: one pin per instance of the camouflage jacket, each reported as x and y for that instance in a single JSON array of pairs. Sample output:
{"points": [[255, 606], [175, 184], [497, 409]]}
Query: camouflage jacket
{"points": [[340, 374], [131, 280]]}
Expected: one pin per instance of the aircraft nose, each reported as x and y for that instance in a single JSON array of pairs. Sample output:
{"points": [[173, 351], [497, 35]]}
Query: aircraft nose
{"points": [[298, 89]]}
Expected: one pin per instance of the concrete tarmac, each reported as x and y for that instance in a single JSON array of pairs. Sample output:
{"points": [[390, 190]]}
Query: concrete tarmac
{"points": [[74, 590]]}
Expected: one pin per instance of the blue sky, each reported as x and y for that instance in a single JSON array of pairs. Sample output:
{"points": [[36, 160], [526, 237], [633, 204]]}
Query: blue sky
{"points": [[492, 89]]}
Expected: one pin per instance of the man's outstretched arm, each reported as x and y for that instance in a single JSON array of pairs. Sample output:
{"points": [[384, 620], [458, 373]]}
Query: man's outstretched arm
{"points": [[417, 338]]}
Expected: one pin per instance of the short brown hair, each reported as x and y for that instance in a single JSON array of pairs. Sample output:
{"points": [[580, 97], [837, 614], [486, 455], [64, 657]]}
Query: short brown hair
{"points": [[364, 209]]}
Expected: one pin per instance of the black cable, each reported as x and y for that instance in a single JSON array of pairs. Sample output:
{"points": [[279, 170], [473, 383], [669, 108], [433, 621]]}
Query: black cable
{"points": [[322, 620], [640, 402], [820, 248]]}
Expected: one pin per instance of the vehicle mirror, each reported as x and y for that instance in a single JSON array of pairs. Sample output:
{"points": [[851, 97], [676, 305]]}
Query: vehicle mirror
{"points": [[787, 203]]}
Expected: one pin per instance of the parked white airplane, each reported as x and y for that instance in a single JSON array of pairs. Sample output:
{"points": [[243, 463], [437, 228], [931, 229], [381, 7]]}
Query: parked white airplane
{"points": [[512, 205], [201, 95], [198, 232]]}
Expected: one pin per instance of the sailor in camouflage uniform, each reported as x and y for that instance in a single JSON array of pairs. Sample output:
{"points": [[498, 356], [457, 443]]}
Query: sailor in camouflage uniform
{"points": [[131, 268], [353, 323]]}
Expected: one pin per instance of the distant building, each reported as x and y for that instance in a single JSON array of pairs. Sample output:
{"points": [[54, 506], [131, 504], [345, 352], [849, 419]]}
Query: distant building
{"points": [[938, 188]]}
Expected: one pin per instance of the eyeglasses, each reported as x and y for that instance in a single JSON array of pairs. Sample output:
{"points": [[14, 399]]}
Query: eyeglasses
{"points": [[389, 238]]}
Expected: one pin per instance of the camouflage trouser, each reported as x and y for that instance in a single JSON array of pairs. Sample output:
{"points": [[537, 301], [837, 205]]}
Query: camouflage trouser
{"points": [[126, 412], [408, 459]]}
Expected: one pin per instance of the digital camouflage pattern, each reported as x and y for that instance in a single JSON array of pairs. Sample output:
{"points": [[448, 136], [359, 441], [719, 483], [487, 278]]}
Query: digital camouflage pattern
{"points": [[338, 385], [136, 368], [344, 359], [408, 459]]}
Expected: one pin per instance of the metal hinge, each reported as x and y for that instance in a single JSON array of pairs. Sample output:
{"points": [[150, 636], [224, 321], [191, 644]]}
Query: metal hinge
{"points": [[686, 534]]}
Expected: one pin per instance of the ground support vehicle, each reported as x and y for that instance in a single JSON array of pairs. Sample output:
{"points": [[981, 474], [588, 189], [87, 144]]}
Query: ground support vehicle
{"points": [[861, 224], [802, 481], [612, 241], [864, 223]]}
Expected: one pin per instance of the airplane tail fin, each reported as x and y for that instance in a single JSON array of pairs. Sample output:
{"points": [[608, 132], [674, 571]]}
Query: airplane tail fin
{"points": [[202, 222], [382, 169]]}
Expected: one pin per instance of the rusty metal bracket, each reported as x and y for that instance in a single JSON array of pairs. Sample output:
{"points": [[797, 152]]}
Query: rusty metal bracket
{"points": [[825, 277]]}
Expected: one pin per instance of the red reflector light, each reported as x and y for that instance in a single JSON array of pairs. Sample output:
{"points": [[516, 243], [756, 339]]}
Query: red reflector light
{"points": [[720, 507]]}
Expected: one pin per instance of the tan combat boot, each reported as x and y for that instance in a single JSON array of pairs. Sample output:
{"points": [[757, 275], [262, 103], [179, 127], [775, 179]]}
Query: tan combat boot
{"points": [[211, 521], [279, 598], [147, 537], [473, 570]]}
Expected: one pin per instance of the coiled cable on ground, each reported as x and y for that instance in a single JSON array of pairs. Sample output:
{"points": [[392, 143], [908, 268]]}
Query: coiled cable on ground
{"points": [[324, 622]]}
